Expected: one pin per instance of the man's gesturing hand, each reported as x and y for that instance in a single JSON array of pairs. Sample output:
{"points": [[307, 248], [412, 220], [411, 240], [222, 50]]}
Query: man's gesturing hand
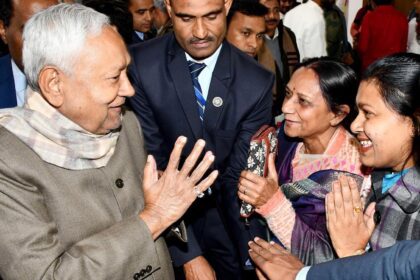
{"points": [[167, 198]]}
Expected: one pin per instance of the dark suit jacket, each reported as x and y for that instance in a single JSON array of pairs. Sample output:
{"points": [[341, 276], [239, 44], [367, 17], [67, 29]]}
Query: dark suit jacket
{"points": [[401, 261], [7, 83], [166, 106]]}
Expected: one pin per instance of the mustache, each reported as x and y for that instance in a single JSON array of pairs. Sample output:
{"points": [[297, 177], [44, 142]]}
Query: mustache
{"points": [[273, 21], [203, 40]]}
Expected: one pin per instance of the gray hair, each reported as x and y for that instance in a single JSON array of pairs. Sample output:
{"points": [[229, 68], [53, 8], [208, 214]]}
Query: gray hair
{"points": [[160, 4], [56, 36]]}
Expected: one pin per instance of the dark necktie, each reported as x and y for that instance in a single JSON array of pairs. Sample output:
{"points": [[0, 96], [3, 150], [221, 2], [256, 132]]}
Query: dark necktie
{"points": [[195, 70]]}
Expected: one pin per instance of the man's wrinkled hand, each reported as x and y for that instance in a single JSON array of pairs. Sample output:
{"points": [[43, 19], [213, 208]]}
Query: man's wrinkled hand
{"points": [[273, 261], [199, 269], [168, 196]]}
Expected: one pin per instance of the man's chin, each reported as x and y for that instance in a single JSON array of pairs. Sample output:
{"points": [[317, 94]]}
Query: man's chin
{"points": [[200, 52]]}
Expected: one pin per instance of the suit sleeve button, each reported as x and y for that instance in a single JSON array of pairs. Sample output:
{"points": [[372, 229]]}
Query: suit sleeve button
{"points": [[119, 183]]}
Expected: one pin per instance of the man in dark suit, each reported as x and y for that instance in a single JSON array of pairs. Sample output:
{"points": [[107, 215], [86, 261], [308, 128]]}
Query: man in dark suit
{"points": [[225, 105], [401, 261], [142, 12], [13, 15]]}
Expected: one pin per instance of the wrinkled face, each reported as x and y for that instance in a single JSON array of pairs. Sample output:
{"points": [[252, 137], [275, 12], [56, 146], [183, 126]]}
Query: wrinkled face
{"points": [[246, 33], [12, 34], [142, 11], [272, 19], [306, 112], [385, 137], [199, 25], [286, 5], [96, 90]]}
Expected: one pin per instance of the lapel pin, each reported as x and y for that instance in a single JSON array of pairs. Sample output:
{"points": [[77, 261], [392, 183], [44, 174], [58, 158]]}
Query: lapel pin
{"points": [[217, 101]]}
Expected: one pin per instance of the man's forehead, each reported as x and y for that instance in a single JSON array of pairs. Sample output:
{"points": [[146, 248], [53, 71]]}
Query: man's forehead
{"points": [[141, 3], [250, 22], [195, 4], [271, 3]]}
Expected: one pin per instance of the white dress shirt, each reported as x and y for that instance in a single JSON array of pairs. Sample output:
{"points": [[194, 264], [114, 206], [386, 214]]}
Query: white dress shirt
{"points": [[140, 34], [307, 22], [20, 84], [413, 43], [302, 273], [205, 76]]}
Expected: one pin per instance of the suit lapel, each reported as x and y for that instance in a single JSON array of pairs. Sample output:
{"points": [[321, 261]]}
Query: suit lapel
{"points": [[181, 78], [219, 88]]}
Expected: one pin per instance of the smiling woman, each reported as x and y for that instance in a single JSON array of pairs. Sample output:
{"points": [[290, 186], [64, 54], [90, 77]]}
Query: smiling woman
{"points": [[314, 147], [388, 129]]}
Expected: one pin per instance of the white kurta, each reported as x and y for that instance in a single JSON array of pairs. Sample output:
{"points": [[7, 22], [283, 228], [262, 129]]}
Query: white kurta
{"points": [[412, 42], [308, 23]]}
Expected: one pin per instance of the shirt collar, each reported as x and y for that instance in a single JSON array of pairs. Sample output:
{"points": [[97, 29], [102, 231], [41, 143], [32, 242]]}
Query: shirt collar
{"points": [[18, 77], [405, 192], [140, 34], [209, 61], [276, 34]]}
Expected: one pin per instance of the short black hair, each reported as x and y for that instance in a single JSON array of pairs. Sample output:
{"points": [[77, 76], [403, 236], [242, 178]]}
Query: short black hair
{"points": [[6, 11], [251, 8], [118, 13]]}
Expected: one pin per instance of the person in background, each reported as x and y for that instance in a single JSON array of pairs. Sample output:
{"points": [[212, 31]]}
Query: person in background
{"points": [[287, 5], [161, 19], [281, 42], [13, 15], [384, 31], [74, 199], [413, 40], [357, 22], [246, 30], [118, 13], [142, 12], [337, 45], [307, 22]]}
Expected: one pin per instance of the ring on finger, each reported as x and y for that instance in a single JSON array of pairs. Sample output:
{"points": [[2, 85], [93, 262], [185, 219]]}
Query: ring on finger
{"points": [[245, 191], [357, 210], [198, 192]]}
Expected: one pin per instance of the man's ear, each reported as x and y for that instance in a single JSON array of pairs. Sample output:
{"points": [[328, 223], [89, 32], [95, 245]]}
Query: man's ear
{"points": [[168, 7], [344, 110], [50, 82], [228, 4], [3, 32]]}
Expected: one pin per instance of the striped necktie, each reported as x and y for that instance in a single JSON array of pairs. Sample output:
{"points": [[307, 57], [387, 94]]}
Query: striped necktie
{"points": [[195, 70]]}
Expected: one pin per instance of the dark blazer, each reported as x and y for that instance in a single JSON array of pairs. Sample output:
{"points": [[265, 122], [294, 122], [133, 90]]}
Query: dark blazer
{"points": [[166, 106], [401, 261], [7, 83]]}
